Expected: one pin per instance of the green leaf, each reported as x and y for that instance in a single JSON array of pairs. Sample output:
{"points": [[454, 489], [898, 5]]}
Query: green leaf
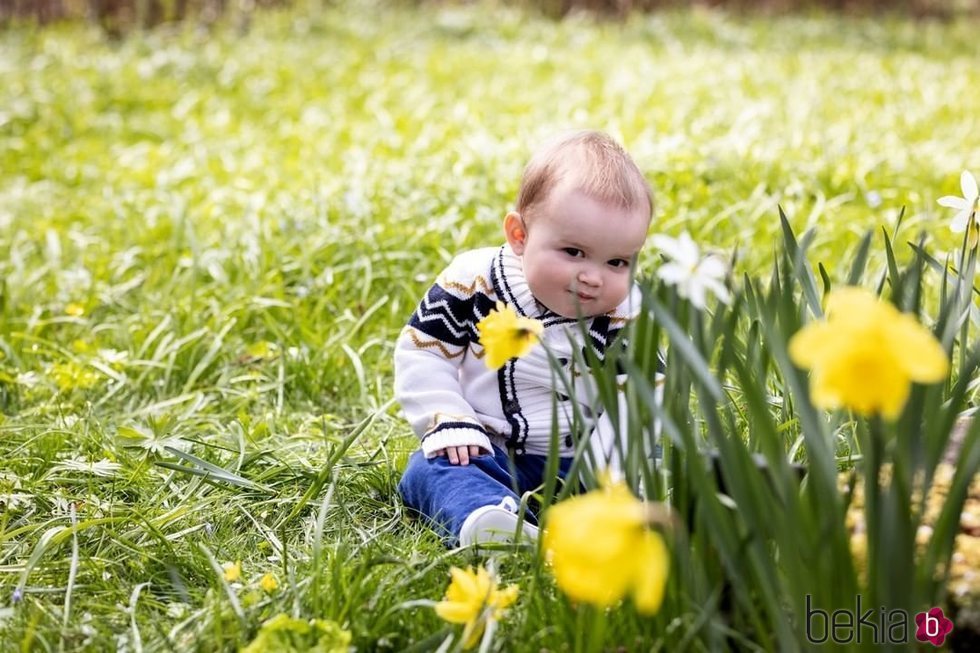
{"points": [[201, 467], [801, 267], [860, 261]]}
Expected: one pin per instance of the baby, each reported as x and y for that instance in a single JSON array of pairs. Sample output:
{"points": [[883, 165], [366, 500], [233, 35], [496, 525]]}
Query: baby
{"points": [[582, 215]]}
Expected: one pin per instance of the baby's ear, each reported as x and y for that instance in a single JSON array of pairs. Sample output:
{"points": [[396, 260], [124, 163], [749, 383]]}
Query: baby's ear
{"points": [[515, 232]]}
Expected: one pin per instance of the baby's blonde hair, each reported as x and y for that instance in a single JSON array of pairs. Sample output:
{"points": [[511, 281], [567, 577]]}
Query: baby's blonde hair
{"points": [[596, 164]]}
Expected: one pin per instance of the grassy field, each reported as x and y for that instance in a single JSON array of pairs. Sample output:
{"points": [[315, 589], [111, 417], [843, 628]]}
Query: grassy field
{"points": [[210, 241]]}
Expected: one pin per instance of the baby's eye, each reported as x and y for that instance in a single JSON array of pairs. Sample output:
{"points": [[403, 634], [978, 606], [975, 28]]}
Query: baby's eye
{"points": [[573, 251], [619, 263]]}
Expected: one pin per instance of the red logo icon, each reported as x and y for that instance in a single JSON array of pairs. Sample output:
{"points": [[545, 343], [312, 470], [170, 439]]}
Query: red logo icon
{"points": [[932, 626]]}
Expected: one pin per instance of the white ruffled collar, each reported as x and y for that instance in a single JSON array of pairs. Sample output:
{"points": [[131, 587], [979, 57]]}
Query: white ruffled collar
{"points": [[515, 285]]}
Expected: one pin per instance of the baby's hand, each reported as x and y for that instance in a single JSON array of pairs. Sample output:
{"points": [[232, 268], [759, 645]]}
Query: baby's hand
{"points": [[460, 455]]}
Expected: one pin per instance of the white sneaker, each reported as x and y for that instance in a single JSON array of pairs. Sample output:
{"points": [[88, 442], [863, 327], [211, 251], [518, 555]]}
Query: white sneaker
{"points": [[494, 524]]}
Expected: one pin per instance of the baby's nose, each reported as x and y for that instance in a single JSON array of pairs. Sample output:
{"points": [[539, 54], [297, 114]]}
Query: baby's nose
{"points": [[590, 277]]}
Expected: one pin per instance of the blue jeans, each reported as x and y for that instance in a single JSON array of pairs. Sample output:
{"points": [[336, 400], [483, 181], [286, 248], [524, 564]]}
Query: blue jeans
{"points": [[445, 494]]}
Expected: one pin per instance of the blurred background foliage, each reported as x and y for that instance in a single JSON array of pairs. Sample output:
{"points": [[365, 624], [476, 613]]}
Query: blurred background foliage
{"points": [[210, 236], [117, 16]]}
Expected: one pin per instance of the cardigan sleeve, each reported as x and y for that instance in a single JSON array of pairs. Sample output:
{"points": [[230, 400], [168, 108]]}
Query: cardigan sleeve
{"points": [[428, 356]]}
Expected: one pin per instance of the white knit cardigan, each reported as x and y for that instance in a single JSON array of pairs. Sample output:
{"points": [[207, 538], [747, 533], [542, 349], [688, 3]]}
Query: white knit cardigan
{"points": [[452, 399]]}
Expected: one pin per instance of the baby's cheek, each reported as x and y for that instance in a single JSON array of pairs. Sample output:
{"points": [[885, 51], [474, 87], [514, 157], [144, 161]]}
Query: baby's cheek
{"points": [[559, 274], [620, 288]]}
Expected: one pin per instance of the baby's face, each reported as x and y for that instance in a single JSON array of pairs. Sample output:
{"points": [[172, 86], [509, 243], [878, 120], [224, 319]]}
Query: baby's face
{"points": [[578, 251]]}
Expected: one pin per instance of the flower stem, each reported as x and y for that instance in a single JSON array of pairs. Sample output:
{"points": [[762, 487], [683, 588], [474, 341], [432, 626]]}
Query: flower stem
{"points": [[967, 274], [597, 631], [872, 470]]}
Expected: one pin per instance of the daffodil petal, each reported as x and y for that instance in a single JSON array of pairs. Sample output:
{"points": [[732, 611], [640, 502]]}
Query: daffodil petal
{"points": [[485, 585], [823, 393], [453, 612], [697, 294], [719, 289], [953, 202], [653, 562], [672, 273], [866, 376], [923, 358], [852, 304], [712, 266], [960, 221], [892, 403], [812, 343], [968, 184], [505, 598], [464, 581], [497, 352], [687, 249]]}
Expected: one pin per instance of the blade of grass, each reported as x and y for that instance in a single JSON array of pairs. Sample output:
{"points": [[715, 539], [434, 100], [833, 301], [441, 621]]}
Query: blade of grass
{"points": [[801, 267], [860, 261], [201, 467]]}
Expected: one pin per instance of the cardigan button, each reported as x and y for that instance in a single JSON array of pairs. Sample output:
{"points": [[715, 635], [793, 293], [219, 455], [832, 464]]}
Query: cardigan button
{"points": [[512, 406]]}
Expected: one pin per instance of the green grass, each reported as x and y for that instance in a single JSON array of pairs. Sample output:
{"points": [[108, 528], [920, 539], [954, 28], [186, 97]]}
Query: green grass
{"points": [[246, 221]]}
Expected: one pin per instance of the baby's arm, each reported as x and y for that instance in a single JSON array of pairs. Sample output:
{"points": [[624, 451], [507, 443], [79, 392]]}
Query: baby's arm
{"points": [[428, 355], [427, 387]]}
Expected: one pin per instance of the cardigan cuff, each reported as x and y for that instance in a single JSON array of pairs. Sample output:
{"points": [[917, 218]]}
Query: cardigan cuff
{"points": [[455, 434]]}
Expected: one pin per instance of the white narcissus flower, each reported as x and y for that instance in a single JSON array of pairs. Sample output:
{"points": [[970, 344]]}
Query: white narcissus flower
{"points": [[966, 205], [691, 273], [103, 467]]}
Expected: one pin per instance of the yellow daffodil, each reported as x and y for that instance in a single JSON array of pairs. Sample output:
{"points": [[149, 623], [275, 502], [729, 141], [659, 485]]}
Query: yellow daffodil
{"points": [[505, 335], [601, 549], [473, 599], [865, 354], [268, 582], [233, 571]]}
